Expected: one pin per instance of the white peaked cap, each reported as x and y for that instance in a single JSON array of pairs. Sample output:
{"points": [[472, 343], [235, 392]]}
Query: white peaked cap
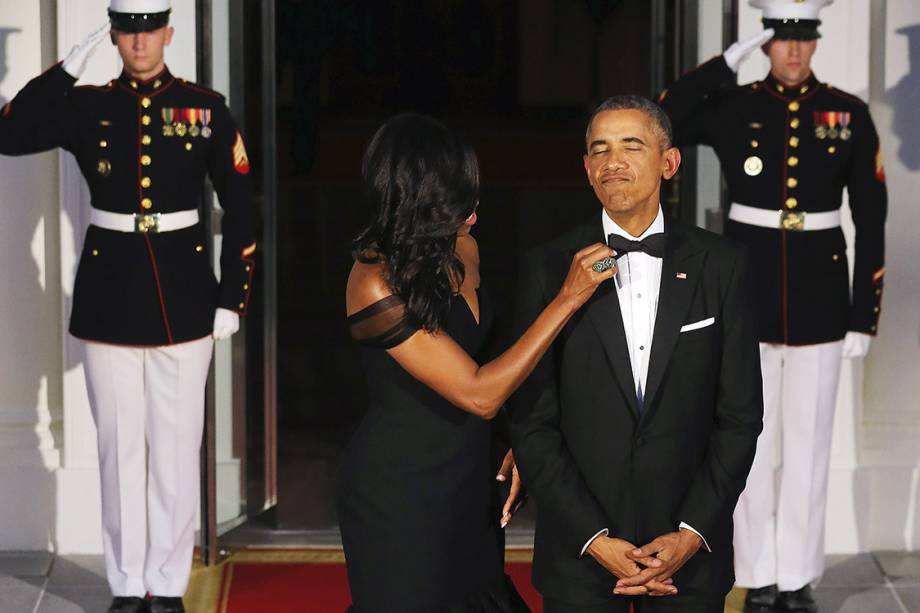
{"points": [[789, 9], [139, 6]]}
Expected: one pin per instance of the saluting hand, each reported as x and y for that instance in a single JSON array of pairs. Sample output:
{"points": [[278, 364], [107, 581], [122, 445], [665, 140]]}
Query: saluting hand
{"points": [[740, 50], [76, 60]]}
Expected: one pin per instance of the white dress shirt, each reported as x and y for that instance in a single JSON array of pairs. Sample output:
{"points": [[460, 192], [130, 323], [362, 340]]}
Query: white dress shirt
{"points": [[638, 282]]}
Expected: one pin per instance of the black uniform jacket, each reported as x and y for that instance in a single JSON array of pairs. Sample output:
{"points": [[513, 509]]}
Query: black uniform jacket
{"points": [[794, 149], [593, 458], [145, 148]]}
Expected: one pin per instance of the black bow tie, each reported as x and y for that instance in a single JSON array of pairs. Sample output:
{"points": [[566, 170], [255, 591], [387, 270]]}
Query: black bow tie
{"points": [[652, 244]]}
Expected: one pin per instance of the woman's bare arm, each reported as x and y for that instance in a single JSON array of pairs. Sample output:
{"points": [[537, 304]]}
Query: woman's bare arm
{"points": [[440, 363]]}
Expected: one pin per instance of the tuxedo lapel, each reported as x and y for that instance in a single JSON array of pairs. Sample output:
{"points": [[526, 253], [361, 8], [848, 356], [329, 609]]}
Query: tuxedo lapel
{"points": [[680, 274], [603, 311]]}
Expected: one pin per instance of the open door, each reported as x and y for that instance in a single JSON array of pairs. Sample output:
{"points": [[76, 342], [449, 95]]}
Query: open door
{"points": [[239, 451]]}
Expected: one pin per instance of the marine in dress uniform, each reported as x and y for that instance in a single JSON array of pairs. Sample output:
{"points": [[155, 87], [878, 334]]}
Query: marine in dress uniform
{"points": [[146, 301], [788, 151]]}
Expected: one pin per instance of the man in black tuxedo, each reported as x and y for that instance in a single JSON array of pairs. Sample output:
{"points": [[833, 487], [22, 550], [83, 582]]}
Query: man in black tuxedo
{"points": [[639, 426]]}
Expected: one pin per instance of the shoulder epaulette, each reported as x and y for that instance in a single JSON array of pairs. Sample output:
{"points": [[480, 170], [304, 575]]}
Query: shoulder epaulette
{"points": [[842, 94], [200, 89], [97, 88]]}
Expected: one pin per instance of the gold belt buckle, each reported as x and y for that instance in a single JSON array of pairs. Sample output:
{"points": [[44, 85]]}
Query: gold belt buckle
{"points": [[793, 221], [147, 223]]}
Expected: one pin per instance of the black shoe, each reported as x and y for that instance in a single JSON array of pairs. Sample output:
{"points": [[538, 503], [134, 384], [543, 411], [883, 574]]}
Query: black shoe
{"points": [[801, 601], [166, 604], [760, 599], [128, 604]]}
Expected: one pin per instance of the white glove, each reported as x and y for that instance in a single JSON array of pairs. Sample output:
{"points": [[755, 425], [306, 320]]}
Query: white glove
{"points": [[856, 345], [75, 62], [226, 323], [739, 51]]}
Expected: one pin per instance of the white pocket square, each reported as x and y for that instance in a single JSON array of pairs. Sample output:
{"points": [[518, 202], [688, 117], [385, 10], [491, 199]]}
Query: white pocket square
{"points": [[698, 324]]}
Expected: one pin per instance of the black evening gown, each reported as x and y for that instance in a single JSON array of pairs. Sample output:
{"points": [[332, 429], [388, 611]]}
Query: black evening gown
{"points": [[419, 526]]}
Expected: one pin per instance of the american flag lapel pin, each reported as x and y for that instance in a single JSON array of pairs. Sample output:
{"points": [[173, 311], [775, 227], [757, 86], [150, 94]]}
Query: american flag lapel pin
{"points": [[681, 275]]}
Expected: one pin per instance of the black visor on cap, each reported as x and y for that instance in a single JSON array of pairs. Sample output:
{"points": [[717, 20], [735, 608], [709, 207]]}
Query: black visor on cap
{"points": [[138, 22], [793, 29]]}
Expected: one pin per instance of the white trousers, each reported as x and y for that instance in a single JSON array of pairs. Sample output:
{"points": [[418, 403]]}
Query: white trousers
{"points": [[780, 539], [148, 405]]}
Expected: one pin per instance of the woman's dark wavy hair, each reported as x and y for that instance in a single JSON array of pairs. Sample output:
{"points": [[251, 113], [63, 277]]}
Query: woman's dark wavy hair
{"points": [[423, 182]]}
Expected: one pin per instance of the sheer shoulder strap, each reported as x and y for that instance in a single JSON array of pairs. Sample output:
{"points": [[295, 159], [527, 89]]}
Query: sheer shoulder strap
{"points": [[383, 324]]}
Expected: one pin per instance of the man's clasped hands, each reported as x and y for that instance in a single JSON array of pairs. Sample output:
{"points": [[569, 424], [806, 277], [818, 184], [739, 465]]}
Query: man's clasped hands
{"points": [[646, 570]]}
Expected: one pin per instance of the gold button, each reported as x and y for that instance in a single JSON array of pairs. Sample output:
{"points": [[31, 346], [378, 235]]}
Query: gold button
{"points": [[95, 252], [793, 106], [754, 144], [878, 292], [803, 89], [145, 102], [794, 141], [145, 139], [157, 84], [147, 203], [876, 310], [792, 203], [146, 120], [832, 149], [145, 182], [188, 146], [248, 269], [792, 182], [835, 257], [793, 161], [245, 286], [242, 305], [199, 248], [145, 160], [134, 84], [794, 123], [780, 88], [873, 328], [103, 143]]}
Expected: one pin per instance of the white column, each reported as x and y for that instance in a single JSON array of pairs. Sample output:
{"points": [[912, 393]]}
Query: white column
{"points": [[30, 338], [78, 526], [892, 393]]}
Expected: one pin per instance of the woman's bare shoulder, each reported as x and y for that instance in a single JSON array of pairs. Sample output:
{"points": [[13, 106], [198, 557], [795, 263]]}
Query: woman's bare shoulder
{"points": [[366, 285]]}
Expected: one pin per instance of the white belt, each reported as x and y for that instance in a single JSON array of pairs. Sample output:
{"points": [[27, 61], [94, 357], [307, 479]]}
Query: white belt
{"points": [[137, 222], [796, 221]]}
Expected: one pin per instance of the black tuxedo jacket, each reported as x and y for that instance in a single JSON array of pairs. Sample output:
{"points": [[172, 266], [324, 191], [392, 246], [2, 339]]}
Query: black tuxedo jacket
{"points": [[593, 458]]}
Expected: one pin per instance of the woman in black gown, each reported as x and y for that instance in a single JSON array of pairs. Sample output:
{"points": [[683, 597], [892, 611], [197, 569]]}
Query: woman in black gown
{"points": [[414, 494]]}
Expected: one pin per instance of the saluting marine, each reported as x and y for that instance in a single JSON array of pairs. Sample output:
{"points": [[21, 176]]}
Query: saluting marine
{"points": [[789, 145], [146, 301]]}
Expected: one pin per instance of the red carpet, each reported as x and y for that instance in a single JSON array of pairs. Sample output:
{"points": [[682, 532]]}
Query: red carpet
{"points": [[298, 581]]}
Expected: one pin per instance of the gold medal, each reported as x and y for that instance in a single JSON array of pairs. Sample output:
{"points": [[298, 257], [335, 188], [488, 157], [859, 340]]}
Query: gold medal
{"points": [[104, 167], [821, 132], [753, 166], [846, 133], [832, 133], [168, 130], [180, 129], [194, 131]]}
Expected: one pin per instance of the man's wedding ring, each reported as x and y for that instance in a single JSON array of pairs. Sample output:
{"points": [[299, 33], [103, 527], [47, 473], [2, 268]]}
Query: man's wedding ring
{"points": [[605, 264]]}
